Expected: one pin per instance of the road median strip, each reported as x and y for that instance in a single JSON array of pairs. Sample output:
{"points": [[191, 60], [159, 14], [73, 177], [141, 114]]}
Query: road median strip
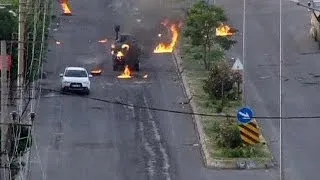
{"points": [[207, 149]]}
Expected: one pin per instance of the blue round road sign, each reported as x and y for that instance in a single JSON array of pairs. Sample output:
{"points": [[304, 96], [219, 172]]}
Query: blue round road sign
{"points": [[245, 115]]}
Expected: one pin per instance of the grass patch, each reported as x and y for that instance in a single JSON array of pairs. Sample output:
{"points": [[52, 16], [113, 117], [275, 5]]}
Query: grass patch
{"points": [[196, 74]]}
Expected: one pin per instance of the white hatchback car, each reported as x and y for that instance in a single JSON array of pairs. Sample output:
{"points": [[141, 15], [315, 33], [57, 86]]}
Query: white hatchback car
{"points": [[75, 78]]}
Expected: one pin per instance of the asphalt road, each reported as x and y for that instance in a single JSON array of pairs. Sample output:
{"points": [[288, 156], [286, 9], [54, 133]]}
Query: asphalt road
{"points": [[299, 79], [80, 138]]}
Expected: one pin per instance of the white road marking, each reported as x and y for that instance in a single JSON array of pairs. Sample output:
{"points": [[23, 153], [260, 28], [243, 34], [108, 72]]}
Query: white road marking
{"points": [[51, 94], [156, 132], [131, 108], [150, 151]]}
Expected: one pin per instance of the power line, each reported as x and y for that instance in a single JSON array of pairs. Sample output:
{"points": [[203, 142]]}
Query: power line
{"points": [[179, 112]]}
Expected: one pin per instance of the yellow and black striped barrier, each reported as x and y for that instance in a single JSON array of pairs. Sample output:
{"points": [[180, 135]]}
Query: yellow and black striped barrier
{"points": [[250, 133]]}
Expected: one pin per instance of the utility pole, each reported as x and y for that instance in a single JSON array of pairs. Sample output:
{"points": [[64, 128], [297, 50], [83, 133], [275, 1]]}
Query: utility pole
{"points": [[4, 92], [21, 50]]}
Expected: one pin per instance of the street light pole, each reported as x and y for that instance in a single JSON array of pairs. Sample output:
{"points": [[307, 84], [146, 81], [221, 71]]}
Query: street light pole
{"points": [[243, 51], [280, 92]]}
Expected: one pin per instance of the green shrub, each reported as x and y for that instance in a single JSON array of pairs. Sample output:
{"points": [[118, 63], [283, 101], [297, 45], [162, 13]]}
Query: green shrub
{"points": [[243, 152], [226, 134], [232, 153], [219, 108], [227, 138], [221, 81], [230, 136]]}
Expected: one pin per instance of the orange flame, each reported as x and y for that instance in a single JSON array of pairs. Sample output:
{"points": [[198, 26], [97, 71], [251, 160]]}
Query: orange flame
{"points": [[145, 76], [126, 73], [224, 30], [66, 9], [168, 48]]}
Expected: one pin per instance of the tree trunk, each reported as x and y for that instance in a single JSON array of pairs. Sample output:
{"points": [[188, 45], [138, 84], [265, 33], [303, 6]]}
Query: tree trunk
{"points": [[222, 94], [205, 57], [238, 89], [209, 50], [206, 51]]}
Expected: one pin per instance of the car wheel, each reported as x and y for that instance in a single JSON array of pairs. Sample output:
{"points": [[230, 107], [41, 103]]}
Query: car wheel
{"points": [[86, 91]]}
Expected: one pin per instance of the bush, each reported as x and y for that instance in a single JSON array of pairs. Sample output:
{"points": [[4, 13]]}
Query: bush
{"points": [[226, 134], [221, 81], [243, 152], [219, 108]]}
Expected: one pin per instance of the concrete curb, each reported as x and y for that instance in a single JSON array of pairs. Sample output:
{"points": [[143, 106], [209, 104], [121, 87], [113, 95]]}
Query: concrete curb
{"points": [[197, 119], [209, 162]]}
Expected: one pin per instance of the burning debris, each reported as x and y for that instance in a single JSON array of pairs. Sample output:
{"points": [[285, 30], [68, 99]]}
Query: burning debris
{"points": [[225, 30], [168, 48], [103, 41], [126, 73], [96, 71], [66, 7], [145, 76]]}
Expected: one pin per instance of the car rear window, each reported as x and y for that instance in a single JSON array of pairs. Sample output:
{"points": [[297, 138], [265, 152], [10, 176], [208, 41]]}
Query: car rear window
{"points": [[75, 73]]}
